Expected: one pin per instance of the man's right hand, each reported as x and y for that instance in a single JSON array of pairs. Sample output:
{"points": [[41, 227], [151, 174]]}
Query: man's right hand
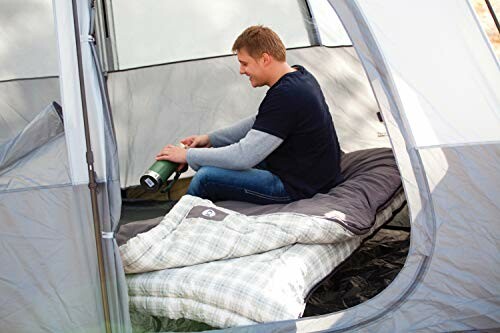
{"points": [[197, 141]]}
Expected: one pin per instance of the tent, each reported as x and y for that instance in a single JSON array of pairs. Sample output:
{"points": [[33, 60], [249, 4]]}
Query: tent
{"points": [[429, 65]]}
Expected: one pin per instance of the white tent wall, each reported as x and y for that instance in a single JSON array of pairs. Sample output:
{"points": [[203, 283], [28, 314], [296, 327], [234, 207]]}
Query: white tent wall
{"points": [[445, 116], [453, 304]]}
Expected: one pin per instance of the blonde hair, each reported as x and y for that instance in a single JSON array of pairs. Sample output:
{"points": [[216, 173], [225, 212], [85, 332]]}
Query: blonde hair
{"points": [[257, 40]]}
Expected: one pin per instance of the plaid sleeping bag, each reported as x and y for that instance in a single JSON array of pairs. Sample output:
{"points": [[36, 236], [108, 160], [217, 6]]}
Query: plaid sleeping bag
{"points": [[215, 265], [196, 231], [228, 269]]}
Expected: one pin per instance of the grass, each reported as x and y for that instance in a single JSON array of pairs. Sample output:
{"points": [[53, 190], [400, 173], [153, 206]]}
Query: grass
{"points": [[487, 21]]}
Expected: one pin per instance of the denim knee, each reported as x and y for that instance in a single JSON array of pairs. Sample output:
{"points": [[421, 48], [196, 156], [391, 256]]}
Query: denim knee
{"points": [[201, 177]]}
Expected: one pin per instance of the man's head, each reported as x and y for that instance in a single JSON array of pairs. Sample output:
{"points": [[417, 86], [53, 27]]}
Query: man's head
{"points": [[260, 51]]}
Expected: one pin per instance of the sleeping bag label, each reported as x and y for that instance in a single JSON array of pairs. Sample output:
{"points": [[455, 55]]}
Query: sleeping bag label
{"points": [[207, 213]]}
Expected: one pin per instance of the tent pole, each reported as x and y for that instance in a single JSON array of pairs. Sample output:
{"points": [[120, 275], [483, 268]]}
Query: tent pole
{"points": [[316, 38], [92, 181], [102, 74]]}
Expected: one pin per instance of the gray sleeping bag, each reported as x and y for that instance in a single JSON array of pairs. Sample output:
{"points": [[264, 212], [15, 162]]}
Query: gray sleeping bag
{"points": [[371, 181]]}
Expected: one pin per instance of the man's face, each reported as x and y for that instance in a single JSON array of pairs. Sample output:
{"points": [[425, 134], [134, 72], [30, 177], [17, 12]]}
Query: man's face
{"points": [[253, 68]]}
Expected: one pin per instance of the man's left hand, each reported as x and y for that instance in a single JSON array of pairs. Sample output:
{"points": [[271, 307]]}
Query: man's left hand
{"points": [[173, 154]]}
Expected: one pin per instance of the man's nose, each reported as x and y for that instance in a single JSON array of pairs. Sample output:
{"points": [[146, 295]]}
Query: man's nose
{"points": [[242, 70]]}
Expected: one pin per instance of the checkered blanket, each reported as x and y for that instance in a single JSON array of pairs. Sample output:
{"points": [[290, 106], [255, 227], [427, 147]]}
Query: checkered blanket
{"points": [[267, 286], [196, 231], [228, 269]]}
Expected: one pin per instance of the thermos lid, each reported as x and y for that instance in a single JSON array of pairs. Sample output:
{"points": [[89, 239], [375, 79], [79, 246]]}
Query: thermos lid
{"points": [[151, 181]]}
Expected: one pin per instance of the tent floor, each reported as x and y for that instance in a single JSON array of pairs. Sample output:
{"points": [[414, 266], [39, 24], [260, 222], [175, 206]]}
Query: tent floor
{"points": [[362, 276], [366, 273]]}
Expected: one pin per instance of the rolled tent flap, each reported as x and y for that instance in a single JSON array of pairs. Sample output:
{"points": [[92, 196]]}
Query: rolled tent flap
{"points": [[43, 128]]}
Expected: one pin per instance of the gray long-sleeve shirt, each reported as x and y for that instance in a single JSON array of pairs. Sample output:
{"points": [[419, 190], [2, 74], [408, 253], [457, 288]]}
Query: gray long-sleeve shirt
{"points": [[238, 147]]}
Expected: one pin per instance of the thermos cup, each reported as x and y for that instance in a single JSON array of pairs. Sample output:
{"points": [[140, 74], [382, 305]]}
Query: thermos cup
{"points": [[157, 175]]}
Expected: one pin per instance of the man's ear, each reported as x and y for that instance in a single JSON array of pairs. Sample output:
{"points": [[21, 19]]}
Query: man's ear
{"points": [[266, 59]]}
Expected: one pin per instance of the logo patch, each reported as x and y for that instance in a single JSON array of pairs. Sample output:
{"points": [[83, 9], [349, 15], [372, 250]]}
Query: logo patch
{"points": [[208, 213]]}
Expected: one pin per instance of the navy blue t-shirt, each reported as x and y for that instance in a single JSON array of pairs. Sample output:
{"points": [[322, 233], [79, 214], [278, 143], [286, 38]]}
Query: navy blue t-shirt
{"points": [[294, 109]]}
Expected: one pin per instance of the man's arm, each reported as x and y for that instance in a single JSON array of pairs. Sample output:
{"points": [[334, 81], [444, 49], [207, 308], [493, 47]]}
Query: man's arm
{"points": [[231, 134], [245, 154], [221, 138]]}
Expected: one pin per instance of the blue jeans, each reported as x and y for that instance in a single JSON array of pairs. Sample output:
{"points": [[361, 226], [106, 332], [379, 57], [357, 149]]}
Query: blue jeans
{"points": [[254, 185]]}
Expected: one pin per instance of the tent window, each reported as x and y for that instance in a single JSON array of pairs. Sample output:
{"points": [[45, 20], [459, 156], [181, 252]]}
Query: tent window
{"points": [[154, 32], [29, 64], [28, 44], [328, 25]]}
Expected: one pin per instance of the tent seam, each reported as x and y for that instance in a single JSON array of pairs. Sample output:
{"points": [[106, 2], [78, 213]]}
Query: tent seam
{"points": [[216, 57], [35, 188], [464, 144], [30, 78], [46, 187]]}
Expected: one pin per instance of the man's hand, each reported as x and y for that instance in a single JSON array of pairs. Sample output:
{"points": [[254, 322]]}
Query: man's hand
{"points": [[173, 154], [197, 141]]}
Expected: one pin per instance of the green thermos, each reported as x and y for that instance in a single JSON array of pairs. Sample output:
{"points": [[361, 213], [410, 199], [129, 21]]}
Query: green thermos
{"points": [[158, 174]]}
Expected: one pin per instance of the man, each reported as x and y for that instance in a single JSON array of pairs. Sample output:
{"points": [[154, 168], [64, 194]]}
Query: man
{"points": [[288, 151]]}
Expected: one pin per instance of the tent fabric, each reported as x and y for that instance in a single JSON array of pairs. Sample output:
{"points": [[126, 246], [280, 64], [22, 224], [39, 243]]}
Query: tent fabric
{"points": [[46, 126], [70, 92], [159, 105], [464, 86], [22, 100], [330, 28], [38, 169], [50, 276], [48, 263]]}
